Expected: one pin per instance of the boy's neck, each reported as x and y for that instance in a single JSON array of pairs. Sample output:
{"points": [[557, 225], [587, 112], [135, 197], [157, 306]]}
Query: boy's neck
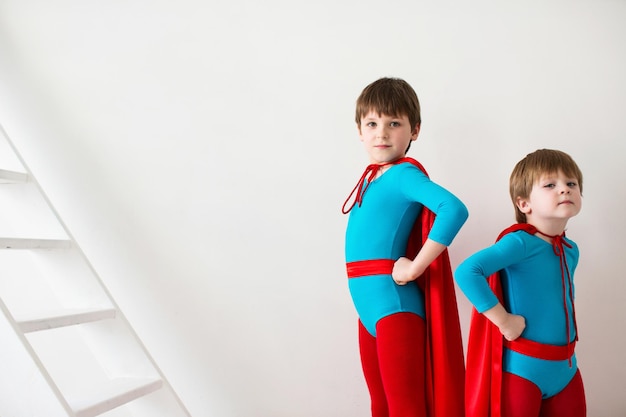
{"points": [[548, 228], [384, 166]]}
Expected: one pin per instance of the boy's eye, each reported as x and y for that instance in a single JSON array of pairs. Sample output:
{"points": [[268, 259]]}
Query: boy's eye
{"points": [[371, 124], [394, 124], [550, 185], [572, 184]]}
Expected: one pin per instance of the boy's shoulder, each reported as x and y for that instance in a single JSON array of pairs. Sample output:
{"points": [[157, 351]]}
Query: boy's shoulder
{"points": [[405, 174], [410, 164], [519, 237]]}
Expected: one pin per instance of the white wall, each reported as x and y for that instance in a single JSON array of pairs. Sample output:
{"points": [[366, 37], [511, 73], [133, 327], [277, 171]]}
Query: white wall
{"points": [[200, 153]]}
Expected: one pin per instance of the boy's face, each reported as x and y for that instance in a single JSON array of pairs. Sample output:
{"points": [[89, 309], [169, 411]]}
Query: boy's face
{"points": [[386, 138], [553, 200]]}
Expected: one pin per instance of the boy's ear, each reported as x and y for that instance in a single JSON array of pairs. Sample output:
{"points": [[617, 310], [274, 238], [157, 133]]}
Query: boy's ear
{"points": [[415, 132], [358, 128], [523, 205]]}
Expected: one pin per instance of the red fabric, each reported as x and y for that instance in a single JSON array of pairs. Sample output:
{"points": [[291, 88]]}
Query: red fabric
{"points": [[370, 267], [541, 350], [524, 399], [393, 365], [445, 369], [483, 387]]}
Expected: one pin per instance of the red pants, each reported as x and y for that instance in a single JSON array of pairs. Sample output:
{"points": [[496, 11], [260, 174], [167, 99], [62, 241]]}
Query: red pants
{"points": [[522, 398], [394, 364]]}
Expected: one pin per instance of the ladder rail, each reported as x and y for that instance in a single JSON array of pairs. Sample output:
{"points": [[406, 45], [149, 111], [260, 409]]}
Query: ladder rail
{"points": [[120, 314], [35, 357]]}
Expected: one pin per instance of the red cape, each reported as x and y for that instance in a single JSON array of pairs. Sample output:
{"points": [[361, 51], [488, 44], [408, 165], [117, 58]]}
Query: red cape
{"points": [[484, 353], [445, 369]]}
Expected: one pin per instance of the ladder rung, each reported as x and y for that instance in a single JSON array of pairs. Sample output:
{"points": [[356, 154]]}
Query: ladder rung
{"points": [[10, 177], [114, 394], [63, 318], [24, 243]]}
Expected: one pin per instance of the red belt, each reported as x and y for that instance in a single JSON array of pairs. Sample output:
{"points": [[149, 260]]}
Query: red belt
{"points": [[541, 350], [369, 267]]}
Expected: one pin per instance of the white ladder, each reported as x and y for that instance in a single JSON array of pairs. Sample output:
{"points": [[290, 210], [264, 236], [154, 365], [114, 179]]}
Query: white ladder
{"points": [[91, 359]]}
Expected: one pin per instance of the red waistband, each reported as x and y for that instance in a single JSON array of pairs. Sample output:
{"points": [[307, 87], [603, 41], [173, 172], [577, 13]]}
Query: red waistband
{"points": [[369, 267], [541, 350]]}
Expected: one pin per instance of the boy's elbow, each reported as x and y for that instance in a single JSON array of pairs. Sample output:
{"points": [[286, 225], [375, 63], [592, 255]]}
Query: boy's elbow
{"points": [[459, 274], [466, 271], [454, 209], [461, 212]]}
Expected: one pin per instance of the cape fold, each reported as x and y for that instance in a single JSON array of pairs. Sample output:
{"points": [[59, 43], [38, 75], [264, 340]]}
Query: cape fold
{"points": [[445, 368]]}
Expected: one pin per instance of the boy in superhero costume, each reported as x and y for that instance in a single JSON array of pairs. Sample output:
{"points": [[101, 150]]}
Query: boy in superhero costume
{"points": [[520, 359], [399, 227]]}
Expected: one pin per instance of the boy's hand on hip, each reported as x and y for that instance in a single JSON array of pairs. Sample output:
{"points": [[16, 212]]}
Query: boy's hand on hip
{"points": [[403, 272], [512, 327]]}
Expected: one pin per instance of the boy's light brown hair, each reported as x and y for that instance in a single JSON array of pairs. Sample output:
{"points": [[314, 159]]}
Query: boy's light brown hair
{"points": [[536, 165], [390, 96]]}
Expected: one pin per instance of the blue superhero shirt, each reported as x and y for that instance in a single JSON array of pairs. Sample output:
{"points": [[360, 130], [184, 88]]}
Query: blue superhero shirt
{"points": [[379, 229]]}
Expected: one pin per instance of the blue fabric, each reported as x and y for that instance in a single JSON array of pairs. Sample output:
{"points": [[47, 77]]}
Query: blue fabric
{"points": [[379, 229]]}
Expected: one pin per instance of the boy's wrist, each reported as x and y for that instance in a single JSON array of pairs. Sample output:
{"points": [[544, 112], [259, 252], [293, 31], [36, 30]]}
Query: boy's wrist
{"points": [[416, 270], [497, 315]]}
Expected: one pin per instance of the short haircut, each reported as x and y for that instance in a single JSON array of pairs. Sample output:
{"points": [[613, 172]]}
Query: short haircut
{"points": [[390, 96], [535, 165]]}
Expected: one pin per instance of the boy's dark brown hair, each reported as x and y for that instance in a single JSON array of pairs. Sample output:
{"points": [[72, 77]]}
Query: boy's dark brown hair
{"points": [[535, 165], [390, 96]]}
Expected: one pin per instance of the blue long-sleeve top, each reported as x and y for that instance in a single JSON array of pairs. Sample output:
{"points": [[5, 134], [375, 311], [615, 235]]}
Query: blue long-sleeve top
{"points": [[532, 284], [379, 229]]}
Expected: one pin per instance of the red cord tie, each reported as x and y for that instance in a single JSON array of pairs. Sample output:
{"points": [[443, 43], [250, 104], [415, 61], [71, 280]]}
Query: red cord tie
{"points": [[557, 246], [361, 186]]}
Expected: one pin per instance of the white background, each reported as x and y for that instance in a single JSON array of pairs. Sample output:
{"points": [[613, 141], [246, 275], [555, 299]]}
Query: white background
{"points": [[200, 152]]}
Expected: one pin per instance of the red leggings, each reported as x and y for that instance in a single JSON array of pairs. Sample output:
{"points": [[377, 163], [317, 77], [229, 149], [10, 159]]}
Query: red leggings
{"points": [[522, 398], [393, 365]]}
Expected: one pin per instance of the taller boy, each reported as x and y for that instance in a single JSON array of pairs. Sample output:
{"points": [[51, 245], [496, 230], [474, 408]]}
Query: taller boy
{"points": [[399, 227]]}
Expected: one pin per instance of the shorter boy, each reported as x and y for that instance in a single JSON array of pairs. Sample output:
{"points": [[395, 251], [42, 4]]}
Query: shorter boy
{"points": [[520, 359]]}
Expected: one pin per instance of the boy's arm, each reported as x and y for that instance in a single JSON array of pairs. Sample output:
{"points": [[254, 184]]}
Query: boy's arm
{"points": [[405, 270], [450, 211], [471, 276]]}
